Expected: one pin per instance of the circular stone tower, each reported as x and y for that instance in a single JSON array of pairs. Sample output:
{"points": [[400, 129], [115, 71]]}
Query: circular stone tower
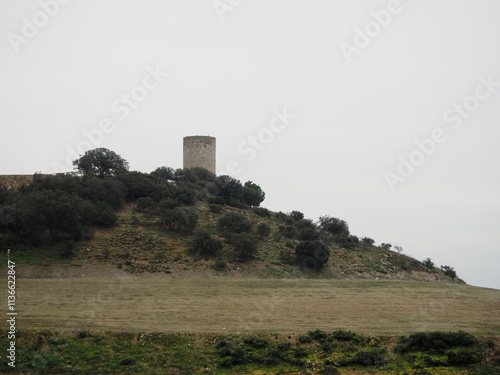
{"points": [[199, 151]]}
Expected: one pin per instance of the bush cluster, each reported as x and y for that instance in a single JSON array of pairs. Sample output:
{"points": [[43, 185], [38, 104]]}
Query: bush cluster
{"points": [[440, 348], [204, 244], [56, 208], [434, 342], [313, 255], [255, 350]]}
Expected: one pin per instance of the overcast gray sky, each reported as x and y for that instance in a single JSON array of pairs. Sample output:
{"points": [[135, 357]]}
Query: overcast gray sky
{"points": [[382, 113]]}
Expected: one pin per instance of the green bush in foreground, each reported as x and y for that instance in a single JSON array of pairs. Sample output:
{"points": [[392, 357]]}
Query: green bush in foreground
{"points": [[80, 353], [434, 342]]}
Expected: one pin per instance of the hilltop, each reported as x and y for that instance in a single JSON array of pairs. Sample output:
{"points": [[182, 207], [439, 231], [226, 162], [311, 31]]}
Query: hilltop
{"points": [[185, 222]]}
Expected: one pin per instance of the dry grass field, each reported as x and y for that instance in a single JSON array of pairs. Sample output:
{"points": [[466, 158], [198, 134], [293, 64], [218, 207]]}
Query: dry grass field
{"points": [[255, 305]]}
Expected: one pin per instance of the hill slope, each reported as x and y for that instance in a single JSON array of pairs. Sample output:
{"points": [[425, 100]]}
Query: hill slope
{"points": [[141, 244]]}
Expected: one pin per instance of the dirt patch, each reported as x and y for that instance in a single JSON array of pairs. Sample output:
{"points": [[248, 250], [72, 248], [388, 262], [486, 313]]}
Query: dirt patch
{"points": [[70, 271]]}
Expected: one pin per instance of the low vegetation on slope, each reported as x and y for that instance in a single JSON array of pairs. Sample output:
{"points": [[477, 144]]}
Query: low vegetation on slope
{"points": [[175, 220], [314, 352]]}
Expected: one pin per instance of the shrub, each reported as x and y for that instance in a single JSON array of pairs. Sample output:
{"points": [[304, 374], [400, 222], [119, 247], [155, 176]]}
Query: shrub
{"points": [[308, 234], [223, 343], [224, 351], [233, 223], [367, 241], [215, 208], [329, 370], [245, 246], [343, 335], [327, 346], [300, 352], [318, 334], [281, 216], [146, 204], [168, 204], [463, 357], [373, 357], [284, 346], [83, 335], [108, 190], [126, 362], [183, 219], [304, 339], [449, 271], [304, 223], [189, 219], [138, 184], [68, 249], [165, 173], [428, 263], [263, 230], [220, 265], [256, 342], [204, 244], [288, 231], [434, 342], [297, 215], [262, 212], [333, 225], [346, 241], [287, 257], [105, 215], [313, 255]]}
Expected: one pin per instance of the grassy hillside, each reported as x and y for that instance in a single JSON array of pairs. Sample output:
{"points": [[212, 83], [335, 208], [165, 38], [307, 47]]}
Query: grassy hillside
{"points": [[140, 243], [168, 221]]}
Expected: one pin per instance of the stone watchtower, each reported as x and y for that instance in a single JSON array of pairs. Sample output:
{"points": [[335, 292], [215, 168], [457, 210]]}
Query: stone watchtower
{"points": [[199, 151]]}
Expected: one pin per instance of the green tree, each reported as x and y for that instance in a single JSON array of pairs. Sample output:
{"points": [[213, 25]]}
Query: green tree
{"points": [[146, 205], [449, 271], [105, 216], [245, 246], [137, 184], [109, 191], [297, 215], [165, 173], [288, 231], [61, 215], [204, 244], [368, 241], [428, 263], [233, 223], [101, 162], [263, 230], [253, 194], [313, 255], [183, 219], [308, 234], [333, 225]]}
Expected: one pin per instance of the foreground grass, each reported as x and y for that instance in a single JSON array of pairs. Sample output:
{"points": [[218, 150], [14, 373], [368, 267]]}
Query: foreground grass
{"points": [[255, 305], [318, 352]]}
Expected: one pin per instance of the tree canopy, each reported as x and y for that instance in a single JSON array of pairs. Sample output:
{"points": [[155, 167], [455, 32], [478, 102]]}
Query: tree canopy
{"points": [[101, 162]]}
